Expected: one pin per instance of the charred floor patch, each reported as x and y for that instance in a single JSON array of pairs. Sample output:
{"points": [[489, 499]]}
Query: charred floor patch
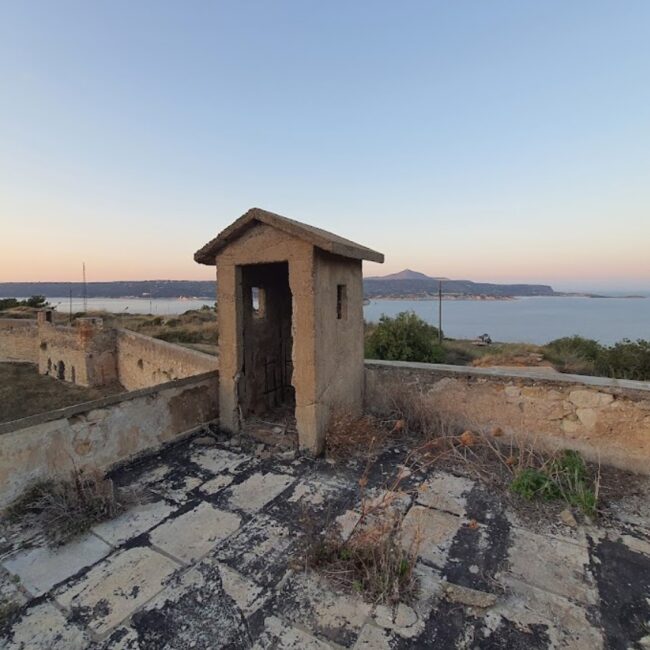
{"points": [[623, 578]]}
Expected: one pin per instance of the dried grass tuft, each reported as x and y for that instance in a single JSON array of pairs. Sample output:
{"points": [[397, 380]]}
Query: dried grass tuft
{"points": [[66, 508], [373, 561], [349, 434]]}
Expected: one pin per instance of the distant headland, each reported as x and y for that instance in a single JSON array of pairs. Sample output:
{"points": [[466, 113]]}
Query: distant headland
{"points": [[404, 285]]}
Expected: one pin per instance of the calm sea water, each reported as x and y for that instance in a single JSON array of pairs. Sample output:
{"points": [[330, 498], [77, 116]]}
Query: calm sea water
{"points": [[528, 320]]}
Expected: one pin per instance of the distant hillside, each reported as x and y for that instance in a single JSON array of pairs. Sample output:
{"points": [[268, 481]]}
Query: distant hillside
{"points": [[135, 289], [415, 284], [404, 284]]}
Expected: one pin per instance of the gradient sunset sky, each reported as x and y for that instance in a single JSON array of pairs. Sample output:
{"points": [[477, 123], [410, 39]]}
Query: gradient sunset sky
{"points": [[492, 141]]}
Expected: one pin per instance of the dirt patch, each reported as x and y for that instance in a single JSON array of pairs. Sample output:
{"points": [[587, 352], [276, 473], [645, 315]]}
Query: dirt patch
{"points": [[23, 392]]}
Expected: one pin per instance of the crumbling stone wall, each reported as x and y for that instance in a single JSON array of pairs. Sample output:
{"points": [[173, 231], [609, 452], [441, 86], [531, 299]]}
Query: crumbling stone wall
{"points": [[18, 340], [143, 361], [82, 354], [102, 433], [606, 420], [89, 354]]}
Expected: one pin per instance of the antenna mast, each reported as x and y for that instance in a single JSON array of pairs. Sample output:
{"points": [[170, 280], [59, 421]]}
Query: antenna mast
{"points": [[84, 293]]}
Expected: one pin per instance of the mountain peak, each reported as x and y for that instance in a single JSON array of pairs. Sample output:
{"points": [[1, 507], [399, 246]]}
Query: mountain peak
{"points": [[406, 274]]}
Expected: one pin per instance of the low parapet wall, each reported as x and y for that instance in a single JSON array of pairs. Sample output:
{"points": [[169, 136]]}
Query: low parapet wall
{"points": [[144, 361], [102, 433], [18, 340], [607, 420], [91, 355]]}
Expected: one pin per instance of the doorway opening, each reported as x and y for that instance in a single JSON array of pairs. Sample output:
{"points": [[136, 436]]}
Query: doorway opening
{"points": [[265, 386]]}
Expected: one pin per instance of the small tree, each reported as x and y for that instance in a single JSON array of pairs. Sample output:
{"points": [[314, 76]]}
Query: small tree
{"points": [[404, 338], [38, 302]]}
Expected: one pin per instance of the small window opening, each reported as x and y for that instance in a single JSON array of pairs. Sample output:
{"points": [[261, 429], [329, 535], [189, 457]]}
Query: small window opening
{"points": [[60, 370], [258, 298], [341, 302], [73, 375], [140, 364]]}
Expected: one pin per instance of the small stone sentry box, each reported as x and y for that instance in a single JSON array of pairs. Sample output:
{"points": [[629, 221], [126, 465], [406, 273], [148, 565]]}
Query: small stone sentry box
{"points": [[290, 314]]}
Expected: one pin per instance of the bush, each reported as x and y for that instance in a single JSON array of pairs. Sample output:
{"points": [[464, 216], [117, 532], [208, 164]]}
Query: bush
{"points": [[626, 360], [574, 354], [36, 302], [564, 477], [404, 338], [8, 303]]}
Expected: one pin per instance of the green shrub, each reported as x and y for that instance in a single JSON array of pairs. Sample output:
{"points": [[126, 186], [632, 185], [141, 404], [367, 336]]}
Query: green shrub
{"points": [[533, 484], [626, 360], [404, 338], [564, 477], [37, 302], [575, 345], [8, 303], [574, 354]]}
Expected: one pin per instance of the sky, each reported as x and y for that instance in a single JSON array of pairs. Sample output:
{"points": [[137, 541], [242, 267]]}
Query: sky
{"points": [[493, 141]]}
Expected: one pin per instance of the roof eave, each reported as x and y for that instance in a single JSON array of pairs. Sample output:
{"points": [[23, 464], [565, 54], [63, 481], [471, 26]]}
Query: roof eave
{"points": [[207, 254]]}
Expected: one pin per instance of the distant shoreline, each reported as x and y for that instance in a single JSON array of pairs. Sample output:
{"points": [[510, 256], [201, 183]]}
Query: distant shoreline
{"points": [[498, 298]]}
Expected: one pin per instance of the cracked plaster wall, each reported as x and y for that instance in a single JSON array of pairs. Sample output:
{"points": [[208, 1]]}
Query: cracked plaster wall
{"points": [[103, 433]]}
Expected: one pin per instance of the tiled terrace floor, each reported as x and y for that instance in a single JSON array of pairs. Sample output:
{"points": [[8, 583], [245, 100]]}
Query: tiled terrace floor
{"points": [[210, 562]]}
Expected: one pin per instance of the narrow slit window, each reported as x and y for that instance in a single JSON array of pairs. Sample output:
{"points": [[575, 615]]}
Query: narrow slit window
{"points": [[258, 300], [341, 302]]}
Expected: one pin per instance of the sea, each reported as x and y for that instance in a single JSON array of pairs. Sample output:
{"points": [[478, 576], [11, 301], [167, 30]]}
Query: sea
{"points": [[525, 320]]}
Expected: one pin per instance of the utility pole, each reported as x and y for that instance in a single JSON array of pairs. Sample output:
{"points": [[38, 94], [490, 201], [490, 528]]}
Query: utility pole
{"points": [[85, 289], [440, 312]]}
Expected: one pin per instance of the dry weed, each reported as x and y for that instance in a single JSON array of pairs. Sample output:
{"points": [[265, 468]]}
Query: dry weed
{"points": [[348, 435], [69, 507]]}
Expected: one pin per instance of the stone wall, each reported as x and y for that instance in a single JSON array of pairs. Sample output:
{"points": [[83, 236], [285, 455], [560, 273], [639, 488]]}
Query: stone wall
{"points": [[605, 419], [89, 354], [103, 433], [143, 361], [18, 340], [82, 354]]}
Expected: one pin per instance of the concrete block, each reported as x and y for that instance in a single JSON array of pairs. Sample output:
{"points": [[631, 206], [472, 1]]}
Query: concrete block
{"points": [[115, 588], [39, 569], [194, 533]]}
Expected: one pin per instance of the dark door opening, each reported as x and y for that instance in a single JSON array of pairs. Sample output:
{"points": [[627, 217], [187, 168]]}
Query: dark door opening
{"points": [[60, 370], [265, 384]]}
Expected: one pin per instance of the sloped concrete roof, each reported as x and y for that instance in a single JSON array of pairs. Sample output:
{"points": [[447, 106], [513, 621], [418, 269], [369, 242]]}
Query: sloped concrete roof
{"points": [[322, 239]]}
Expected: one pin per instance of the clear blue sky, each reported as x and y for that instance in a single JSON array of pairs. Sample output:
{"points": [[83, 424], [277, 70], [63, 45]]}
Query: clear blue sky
{"points": [[485, 140]]}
